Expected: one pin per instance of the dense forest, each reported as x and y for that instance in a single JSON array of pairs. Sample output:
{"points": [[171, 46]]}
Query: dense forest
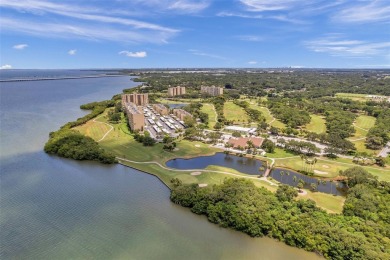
{"points": [[308, 83], [361, 232]]}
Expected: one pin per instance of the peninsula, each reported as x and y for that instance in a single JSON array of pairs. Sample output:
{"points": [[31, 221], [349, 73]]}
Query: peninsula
{"points": [[309, 151]]}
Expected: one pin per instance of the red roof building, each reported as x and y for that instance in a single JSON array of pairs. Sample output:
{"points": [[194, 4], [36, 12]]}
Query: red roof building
{"points": [[242, 141]]}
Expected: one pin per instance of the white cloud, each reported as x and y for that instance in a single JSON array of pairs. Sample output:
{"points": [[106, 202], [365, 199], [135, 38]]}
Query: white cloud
{"points": [[365, 11], [20, 46], [137, 54], [335, 45], [6, 67], [200, 53], [189, 6], [96, 24], [90, 32], [72, 52], [241, 15], [250, 38], [252, 62], [179, 6], [267, 5]]}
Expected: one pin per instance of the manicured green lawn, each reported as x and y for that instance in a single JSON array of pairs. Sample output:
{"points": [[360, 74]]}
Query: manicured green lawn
{"points": [[95, 130], [356, 97], [331, 203], [316, 125], [280, 153], [209, 109], [365, 122], [235, 113], [269, 119], [362, 124]]}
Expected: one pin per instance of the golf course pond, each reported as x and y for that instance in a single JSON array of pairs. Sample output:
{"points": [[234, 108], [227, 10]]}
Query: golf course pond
{"points": [[252, 167]]}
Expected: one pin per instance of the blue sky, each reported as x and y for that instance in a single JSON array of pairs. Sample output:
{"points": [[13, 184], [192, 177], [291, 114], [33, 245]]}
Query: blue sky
{"points": [[188, 33]]}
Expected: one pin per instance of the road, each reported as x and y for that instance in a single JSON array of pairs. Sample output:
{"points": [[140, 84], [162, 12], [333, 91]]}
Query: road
{"points": [[385, 151]]}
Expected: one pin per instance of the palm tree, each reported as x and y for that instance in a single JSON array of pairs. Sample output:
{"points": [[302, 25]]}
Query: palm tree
{"points": [[281, 175], [295, 178]]}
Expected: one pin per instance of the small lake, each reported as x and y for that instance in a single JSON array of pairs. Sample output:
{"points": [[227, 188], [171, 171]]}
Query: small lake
{"points": [[241, 164], [178, 105], [251, 166]]}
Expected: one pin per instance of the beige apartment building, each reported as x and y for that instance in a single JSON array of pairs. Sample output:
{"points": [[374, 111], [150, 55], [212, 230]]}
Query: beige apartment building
{"points": [[212, 91], [161, 109], [136, 98], [135, 116], [176, 91], [181, 114]]}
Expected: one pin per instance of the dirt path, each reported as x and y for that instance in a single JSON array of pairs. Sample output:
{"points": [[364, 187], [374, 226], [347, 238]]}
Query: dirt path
{"points": [[111, 127]]}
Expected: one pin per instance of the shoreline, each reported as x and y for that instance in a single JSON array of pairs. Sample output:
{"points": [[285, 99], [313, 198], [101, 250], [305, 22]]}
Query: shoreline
{"points": [[61, 78]]}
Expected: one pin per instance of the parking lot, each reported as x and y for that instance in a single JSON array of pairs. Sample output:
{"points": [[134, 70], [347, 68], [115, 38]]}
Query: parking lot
{"points": [[158, 125]]}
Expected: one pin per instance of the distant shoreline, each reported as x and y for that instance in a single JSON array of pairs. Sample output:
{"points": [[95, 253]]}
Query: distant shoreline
{"points": [[59, 78]]}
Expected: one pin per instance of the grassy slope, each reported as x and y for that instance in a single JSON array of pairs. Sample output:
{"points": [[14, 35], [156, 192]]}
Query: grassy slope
{"points": [[365, 122], [316, 125], [209, 109], [235, 113], [95, 130], [356, 97], [268, 117]]}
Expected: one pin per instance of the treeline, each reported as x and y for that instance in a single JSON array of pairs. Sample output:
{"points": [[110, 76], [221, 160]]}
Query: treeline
{"points": [[195, 110], [298, 147], [379, 135], [288, 114], [254, 114], [69, 143], [294, 83], [239, 204], [219, 103], [339, 123]]}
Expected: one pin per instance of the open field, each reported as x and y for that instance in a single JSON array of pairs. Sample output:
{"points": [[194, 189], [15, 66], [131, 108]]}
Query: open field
{"points": [[365, 122], [235, 113], [269, 119], [356, 97], [209, 109], [362, 124], [93, 129], [316, 125], [332, 167]]}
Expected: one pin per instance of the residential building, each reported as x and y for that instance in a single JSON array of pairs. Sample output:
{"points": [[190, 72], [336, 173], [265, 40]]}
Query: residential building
{"points": [[176, 91], [243, 142], [212, 91], [135, 116], [161, 109], [136, 98], [181, 114]]}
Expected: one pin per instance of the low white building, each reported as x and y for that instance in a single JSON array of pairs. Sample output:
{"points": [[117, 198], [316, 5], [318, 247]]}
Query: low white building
{"points": [[245, 130]]}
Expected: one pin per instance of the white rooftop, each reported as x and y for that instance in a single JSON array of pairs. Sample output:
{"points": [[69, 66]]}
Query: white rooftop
{"points": [[240, 129]]}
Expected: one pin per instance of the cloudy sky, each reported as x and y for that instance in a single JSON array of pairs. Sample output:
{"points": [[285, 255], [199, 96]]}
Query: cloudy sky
{"points": [[189, 33]]}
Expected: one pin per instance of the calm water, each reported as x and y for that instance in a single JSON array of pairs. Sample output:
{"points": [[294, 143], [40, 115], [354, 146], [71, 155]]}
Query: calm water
{"points": [[54, 208], [250, 166]]}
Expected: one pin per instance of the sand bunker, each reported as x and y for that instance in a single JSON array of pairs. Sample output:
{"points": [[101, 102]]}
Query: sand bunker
{"points": [[319, 172], [201, 185], [302, 192], [197, 145], [325, 166], [196, 173]]}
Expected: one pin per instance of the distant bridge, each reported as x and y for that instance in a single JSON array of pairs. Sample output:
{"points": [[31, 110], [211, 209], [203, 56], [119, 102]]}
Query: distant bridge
{"points": [[58, 78]]}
